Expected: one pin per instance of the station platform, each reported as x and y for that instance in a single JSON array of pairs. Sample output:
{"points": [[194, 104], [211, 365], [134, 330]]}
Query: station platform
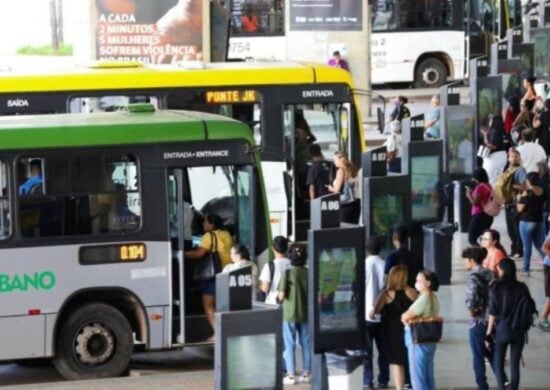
{"points": [[453, 362]]}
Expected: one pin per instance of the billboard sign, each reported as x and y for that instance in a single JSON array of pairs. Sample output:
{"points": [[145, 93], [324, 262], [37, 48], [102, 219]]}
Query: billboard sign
{"points": [[321, 15], [160, 31]]}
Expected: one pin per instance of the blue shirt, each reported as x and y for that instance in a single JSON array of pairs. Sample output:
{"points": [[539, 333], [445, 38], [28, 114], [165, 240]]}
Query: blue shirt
{"points": [[433, 115], [30, 183]]}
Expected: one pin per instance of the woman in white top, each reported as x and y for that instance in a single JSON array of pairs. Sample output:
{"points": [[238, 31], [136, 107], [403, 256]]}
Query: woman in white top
{"points": [[240, 257], [268, 281]]}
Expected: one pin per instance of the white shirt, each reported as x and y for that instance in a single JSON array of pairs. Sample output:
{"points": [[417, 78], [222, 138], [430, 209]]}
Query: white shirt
{"points": [[281, 265], [393, 144], [531, 153], [374, 283]]}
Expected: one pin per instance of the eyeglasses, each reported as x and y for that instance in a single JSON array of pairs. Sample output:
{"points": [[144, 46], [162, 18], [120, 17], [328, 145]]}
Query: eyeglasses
{"points": [[481, 238]]}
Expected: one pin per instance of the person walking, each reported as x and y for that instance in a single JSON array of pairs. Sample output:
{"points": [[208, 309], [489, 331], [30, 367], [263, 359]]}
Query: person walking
{"points": [[292, 292], [506, 297], [477, 302], [421, 356], [478, 197], [490, 240], [531, 225], [374, 283], [394, 300]]}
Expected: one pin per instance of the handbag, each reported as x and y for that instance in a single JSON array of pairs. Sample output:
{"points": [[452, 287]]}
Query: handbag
{"points": [[209, 265], [347, 196], [426, 329], [483, 151]]}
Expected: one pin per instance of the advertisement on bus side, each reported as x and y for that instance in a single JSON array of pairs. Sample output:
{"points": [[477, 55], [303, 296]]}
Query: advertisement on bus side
{"points": [[160, 31]]}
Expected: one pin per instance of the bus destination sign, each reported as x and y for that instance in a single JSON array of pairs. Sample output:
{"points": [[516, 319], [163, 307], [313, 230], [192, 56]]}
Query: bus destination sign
{"points": [[116, 253], [231, 96]]}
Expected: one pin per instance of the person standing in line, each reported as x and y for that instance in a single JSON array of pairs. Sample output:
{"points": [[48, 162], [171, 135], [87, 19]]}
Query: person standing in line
{"points": [[272, 271], [531, 225], [403, 255], [292, 292], [346, 184], [490, 240], [431, 122], [421, 356], [543, 323], [478, 197], [318, 173], [510, 114], [493, 138], [510, 208], [531, 153], [393, 147], [477, 302], [400, 110], [394, 300], [374, 283], [240, 256], [337, 61], [506, 294]]}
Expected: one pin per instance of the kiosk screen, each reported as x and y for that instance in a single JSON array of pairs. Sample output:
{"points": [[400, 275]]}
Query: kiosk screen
{"points": [[258, 369], [425, 171], [489, 102], [338, 304], [387, 212], [460, 132]]}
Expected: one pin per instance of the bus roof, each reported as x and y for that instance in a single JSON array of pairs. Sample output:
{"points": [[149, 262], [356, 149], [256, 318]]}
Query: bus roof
{"points": [[167, 76], [116, 128]]}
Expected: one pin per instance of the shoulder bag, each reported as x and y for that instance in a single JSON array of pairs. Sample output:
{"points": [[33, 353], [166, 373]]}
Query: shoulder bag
{"points": [[209, 265], [347, 195], [426, 329]]}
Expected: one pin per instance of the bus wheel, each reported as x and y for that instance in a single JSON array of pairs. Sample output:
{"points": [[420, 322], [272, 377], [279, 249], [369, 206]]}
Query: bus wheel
{"points": [[430, 73], [94, 342]]}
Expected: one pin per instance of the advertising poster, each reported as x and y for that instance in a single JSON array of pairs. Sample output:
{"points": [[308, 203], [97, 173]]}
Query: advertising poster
{"points": [[326, 15], [160, 31]]}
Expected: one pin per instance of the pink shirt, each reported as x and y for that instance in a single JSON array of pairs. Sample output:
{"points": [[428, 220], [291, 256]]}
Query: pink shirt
{"points": [[483, 191]]}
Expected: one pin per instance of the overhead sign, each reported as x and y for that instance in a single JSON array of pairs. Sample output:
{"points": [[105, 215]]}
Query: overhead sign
{"points": [[160, 31], [231, 96], [321, 15]]}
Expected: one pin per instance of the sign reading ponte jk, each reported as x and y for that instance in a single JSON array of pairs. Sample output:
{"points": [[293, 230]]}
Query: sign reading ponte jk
{"points": [[44, 280]]}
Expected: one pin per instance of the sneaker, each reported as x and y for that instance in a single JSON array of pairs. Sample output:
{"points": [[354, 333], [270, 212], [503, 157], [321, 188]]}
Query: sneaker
{"points": [[518, 255], [289, 380], [305, 378], [407, 387], [544, 325]]}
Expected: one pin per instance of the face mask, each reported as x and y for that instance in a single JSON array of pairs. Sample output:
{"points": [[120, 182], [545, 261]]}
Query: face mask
{"points": [[419, 286]]}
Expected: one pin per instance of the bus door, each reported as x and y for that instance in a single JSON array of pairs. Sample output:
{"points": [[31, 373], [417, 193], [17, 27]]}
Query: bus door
{"points": [[194, 192], [479, 18], [305, 125]]}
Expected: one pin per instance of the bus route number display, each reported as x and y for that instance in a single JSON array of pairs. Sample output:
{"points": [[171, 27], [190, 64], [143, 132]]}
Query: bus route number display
{"points": [[109, 254], [231, 96]]}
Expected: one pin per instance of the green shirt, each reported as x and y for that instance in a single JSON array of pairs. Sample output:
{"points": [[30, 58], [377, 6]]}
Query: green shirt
{"points": [[294, 284], [425, 306]]}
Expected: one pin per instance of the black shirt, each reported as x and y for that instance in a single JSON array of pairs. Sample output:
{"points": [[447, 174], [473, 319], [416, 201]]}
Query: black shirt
{"points": [[318, 175], [404, 256], [503, 301], [496, 138], [534, 207]]}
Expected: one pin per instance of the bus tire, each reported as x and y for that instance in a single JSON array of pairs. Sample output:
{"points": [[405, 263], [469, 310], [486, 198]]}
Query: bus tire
{"points": [[431, 72], [94, 342]]}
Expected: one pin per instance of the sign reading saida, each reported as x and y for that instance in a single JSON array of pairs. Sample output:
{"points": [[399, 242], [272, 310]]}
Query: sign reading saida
{"points": [[231, 96], [115, 253]]}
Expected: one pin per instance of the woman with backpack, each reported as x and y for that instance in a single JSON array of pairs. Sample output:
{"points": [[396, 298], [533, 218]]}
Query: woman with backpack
{"points": [[530, 207], [479, 197], [511, 311]]}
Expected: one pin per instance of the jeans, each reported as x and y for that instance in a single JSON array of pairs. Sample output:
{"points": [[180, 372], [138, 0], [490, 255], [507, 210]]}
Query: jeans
{"points": [[421, 362], [290, 329], [479, 352], [374, 334], [512, 225], [531, 233], [516, 343], [478, 224]]}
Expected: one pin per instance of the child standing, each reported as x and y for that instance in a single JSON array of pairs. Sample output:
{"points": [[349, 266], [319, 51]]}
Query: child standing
{"points": [[293, 294]]}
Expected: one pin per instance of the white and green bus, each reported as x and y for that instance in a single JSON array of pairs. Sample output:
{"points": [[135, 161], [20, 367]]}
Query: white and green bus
{"points": [[92, 264]]}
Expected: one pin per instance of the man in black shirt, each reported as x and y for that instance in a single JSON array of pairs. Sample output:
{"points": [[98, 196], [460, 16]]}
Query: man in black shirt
{"points": [[403, 256], [318, 173]]}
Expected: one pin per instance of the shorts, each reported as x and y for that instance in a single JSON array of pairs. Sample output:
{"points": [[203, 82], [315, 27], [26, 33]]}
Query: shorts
{"points": [[208, 287], [547, 281]]}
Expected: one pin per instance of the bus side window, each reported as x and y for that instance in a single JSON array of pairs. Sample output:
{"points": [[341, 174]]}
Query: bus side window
{"points": [[5, 226]]}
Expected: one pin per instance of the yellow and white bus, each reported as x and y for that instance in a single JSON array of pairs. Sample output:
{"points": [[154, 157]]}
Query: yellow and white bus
{"points": [[267, 96]]}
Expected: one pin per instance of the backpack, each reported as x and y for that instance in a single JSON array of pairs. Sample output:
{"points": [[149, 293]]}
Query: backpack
{"points": [[481, 298], [525, 312], [492, 207], [503, 188]]}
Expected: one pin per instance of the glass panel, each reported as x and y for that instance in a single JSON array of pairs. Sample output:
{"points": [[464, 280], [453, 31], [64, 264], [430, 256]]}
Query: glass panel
{"points": [[107, 103], [5, 226], [407, 14], [264, 17]]}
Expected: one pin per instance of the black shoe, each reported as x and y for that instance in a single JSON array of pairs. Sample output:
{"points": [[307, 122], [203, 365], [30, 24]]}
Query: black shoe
{"points": [[382, 386]]}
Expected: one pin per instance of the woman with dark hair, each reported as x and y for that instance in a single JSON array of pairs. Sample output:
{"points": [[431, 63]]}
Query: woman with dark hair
{"points": [[421, 356], [529, 86], [240, 256], [490, 240], [530, 207], [478, 197], [493, 139], [347, 185], [293, 295], [216, 238], [504, 298], [511, 113]]}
